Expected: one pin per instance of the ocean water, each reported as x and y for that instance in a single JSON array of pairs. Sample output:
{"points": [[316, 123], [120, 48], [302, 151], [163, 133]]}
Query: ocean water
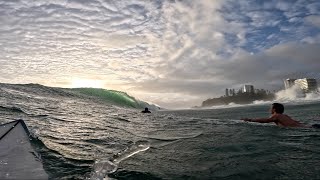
{"points": [[82, 134]]}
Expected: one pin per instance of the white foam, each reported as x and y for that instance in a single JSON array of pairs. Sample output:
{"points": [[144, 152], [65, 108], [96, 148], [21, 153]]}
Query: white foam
{"points": [[104, 166], [295, 94]]}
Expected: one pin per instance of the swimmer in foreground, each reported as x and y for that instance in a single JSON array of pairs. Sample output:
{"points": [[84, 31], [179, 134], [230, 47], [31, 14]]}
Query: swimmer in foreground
{"points": [[279, 118]]}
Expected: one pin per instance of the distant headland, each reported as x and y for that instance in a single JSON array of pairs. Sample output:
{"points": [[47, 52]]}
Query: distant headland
{"points": [[248, 94]]}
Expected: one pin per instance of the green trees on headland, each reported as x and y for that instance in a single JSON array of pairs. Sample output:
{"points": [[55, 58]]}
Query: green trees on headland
{"points": [[240, 97]]}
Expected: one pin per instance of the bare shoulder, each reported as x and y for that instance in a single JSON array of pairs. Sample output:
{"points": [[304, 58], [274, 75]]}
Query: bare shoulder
{"points": [[283, 117], [275, 116], [278, 117]]}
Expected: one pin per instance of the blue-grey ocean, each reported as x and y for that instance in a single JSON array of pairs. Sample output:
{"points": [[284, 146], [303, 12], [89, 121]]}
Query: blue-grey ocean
{"points": [[76, 129]]}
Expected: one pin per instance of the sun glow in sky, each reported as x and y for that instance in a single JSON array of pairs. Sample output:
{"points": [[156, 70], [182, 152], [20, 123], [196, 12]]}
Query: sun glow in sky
{"points": [[170, 52], [77, 83]]}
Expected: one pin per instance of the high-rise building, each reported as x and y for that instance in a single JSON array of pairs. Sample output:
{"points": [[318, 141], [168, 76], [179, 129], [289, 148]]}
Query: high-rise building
{"points": [[231, 92], [307, 84], [247, 89], [288, 83]]}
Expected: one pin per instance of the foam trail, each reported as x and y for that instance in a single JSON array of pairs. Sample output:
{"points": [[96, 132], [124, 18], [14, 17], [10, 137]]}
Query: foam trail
{"points": [[137, 147], [103, 167]]}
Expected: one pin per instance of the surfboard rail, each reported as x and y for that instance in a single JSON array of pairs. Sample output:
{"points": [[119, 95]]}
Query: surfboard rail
{"points": [[18, 158]]}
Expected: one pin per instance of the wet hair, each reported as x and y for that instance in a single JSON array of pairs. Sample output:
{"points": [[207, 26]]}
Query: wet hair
{"points": [[279, 108]]}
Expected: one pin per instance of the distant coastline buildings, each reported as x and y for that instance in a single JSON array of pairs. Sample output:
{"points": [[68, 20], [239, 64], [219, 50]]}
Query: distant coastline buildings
{"points": [[306, 84], [244, 89], [245, 95], [230, 92], [248, 89]]}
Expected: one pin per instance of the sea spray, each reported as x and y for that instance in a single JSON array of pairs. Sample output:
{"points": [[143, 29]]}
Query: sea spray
{"points": [[293, 94], [296, 94], [290, 94], [313, 96], [103, 167]]}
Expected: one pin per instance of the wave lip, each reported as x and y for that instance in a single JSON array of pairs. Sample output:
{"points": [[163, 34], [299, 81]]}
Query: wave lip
{"points": [[114, 97], [118, 98], [41, 92]]}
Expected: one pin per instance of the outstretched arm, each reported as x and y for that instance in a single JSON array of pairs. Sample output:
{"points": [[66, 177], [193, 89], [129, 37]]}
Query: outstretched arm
{"points": [[261, 120]]}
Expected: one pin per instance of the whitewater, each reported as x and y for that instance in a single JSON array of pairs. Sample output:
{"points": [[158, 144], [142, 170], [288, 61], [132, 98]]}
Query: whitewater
{"points": [[88, 133]]}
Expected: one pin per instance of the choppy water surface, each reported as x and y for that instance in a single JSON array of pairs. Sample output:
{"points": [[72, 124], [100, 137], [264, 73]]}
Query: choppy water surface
{"points": [[79, 136]]}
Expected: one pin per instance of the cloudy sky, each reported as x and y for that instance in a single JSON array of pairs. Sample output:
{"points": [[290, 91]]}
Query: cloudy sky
{"points": [[175, 53]]}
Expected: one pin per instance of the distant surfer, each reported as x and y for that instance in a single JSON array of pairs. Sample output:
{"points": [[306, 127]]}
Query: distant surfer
{"points": [[146, 110], [279, 118]]}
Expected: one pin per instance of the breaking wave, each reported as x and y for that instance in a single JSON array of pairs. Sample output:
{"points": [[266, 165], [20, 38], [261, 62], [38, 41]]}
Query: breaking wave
{"points": [[114, 97], [37, 91], [291, 95], [295, 94]]}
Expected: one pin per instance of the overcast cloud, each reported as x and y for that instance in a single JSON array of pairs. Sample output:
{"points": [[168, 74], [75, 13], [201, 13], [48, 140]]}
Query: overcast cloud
{"points": [[170, 52]]}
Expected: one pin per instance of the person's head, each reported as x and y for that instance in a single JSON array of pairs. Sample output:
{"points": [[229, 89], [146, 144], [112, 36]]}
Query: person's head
{"points": [[146, 109], [277, 108]]}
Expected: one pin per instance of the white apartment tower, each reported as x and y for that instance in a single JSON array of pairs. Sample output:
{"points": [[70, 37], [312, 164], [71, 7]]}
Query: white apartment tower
{"points": [[307, 84], [247, 89]]}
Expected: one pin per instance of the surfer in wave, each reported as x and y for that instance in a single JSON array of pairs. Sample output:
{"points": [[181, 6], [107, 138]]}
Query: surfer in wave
{"points": [[146, 110], [279, 118]]}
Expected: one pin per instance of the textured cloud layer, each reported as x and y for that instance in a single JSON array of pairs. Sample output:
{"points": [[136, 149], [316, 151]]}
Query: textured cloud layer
{"points": [[173, 53]]}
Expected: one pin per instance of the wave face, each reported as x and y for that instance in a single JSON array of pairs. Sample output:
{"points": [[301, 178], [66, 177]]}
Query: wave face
{"points": [[37, 91], [87, 133], [114, 97], [80, 136]]}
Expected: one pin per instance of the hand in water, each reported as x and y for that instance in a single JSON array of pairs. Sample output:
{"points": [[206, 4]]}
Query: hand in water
{"points": [[245, 119], [103, 167]]}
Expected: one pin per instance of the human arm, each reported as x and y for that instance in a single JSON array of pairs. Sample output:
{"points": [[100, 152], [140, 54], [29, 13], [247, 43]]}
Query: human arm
{"points": [[261, 120]]}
